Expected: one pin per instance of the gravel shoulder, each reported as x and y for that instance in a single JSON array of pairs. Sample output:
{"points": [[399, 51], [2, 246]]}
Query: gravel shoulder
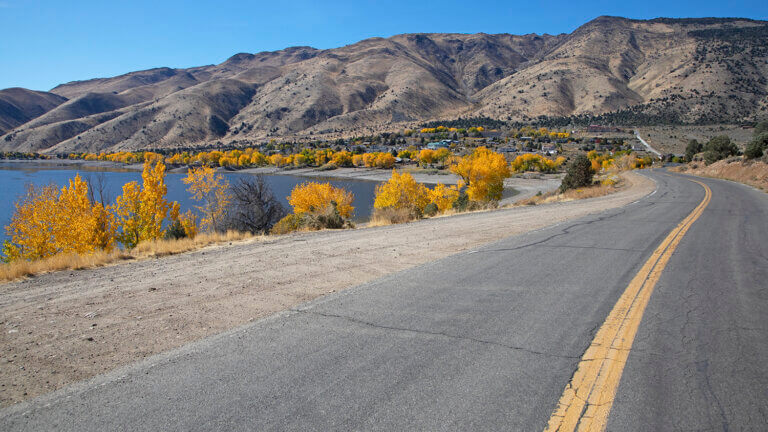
{"points": [[67, 326]]}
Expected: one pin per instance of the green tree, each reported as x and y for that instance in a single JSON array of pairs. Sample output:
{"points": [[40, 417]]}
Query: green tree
{"points": [[757, 146], [692, 149], [578, 173], [719, 147], [761, 128]]}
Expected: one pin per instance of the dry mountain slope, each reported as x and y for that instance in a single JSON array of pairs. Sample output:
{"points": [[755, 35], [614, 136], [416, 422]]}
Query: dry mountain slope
{"points": [[18, 106], [689, 69], [682, 69]]}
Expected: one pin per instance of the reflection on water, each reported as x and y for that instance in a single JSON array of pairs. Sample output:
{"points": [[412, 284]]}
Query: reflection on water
{"points": [[14, 176]]}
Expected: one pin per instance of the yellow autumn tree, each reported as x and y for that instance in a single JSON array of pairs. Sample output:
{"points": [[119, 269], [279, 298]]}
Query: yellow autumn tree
{"points": [[402, 192], [427, 156], [48, 221], [313, 197], [443, 196], [483, 173], [187, 221], [141, 210], [342, 159], [212, 190], [33, 224], [82, 226]]}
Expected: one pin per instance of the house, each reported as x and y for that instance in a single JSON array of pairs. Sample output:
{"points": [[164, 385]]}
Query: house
{"points": [[439, 145], [549, 149]]}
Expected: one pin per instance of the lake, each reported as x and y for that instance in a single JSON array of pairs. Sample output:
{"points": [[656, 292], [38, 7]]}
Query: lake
{"points": [[15, 176]]}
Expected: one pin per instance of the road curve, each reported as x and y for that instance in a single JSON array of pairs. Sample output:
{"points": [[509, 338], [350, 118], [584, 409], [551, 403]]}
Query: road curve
{"points": [[481, 340]]}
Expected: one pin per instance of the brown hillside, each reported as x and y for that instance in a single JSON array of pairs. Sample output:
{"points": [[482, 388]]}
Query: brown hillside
{"points": [[690, 70], [18, 106]]}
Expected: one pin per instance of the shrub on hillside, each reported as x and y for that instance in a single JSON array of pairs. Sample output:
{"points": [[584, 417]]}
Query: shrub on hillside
{"points": [[719, 147], [761, 127], [694, 147], [578, 174], [757, 146]]}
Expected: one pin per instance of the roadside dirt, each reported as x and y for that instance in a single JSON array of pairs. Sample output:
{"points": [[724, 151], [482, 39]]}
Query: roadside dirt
{"points": [[67, 326]]}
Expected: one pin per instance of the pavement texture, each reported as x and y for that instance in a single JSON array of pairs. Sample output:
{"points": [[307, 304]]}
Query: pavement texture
{"points": [[482, 340]]}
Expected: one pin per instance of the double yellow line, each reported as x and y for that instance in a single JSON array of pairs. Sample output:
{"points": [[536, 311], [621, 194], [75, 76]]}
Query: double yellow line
{"points": [[588, 397]]}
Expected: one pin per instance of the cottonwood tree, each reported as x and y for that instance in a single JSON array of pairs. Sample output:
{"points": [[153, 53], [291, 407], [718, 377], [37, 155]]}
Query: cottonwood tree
{"points": [[141, 210], [212, 190], [48, 221], [483, 173]]}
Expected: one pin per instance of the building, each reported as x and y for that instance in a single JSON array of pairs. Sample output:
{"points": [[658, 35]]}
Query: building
{"points": [[549, 149], [439, 145]]}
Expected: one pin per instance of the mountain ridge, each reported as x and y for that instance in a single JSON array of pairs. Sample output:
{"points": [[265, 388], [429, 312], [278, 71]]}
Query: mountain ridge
{"points": [[690, 69]]}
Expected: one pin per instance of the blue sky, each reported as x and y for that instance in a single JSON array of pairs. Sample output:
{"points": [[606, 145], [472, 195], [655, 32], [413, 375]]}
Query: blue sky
{"points": [[44, 43]]}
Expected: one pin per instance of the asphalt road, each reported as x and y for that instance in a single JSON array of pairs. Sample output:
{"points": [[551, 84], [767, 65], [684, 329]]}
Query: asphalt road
{"points": [[482, 340]]}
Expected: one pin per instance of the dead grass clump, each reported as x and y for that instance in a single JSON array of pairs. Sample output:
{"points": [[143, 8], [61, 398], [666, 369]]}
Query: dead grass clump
{"points": [[390, 216], [156, 248]]}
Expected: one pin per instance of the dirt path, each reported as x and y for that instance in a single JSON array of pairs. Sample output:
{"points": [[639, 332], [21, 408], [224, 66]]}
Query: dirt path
{"points": [[67, 326]]}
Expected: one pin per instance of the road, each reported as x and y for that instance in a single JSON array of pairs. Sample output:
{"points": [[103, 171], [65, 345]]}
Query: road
{"points": [[647, 146], [482, 340]]}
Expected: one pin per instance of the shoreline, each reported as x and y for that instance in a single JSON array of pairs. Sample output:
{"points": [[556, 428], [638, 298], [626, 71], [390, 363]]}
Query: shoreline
{"points": [[516, 188]]}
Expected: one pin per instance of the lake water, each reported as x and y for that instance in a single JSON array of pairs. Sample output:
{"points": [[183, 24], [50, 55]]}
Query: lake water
{"points": [[15, 176]]}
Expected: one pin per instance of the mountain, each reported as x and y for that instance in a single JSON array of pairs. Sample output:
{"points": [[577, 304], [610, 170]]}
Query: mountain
{"points": [[18, 106], [682, 70]]}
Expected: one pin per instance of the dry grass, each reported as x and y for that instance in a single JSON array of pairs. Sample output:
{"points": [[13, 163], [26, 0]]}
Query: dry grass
{"points": [[156, 248], [753, 173], [390, 216]]}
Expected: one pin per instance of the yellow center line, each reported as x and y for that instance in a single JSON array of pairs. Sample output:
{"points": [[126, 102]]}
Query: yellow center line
{"points": [[588, 397]]}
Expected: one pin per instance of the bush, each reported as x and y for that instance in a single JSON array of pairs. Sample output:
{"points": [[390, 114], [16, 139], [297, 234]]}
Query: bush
{"points": [[761, 128], [313, 197], [694, 147], [719, 147], [330, 218], [461, 203], [757, 146], [431, 209], [289, 223], [578, 174], [175, 231], [402, 192]]}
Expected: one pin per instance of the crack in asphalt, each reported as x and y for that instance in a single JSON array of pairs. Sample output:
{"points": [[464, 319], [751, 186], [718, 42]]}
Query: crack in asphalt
{"points": [[432, 333], [564, 231]]}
